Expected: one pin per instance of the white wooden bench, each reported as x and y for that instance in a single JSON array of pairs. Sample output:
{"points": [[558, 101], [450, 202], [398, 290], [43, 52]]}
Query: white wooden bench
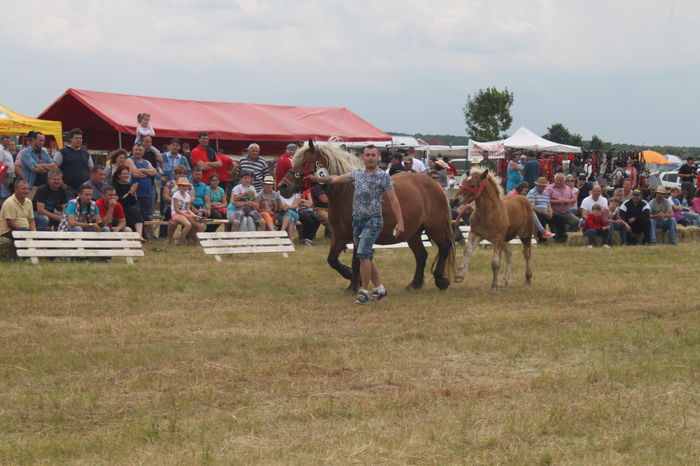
{"points": [[465, 229], [423, 237], [245, 242], [36, 244]]}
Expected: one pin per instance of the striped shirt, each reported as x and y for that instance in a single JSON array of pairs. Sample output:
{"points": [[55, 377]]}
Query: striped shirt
{"points": [[258, 168], [539, 200]]}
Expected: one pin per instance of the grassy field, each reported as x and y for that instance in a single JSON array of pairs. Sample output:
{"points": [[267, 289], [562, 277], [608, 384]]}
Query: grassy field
{"points": [[182, 360]]}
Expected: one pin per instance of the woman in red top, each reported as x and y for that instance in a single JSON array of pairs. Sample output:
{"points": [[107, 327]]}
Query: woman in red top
{"points": [[596, 226]]}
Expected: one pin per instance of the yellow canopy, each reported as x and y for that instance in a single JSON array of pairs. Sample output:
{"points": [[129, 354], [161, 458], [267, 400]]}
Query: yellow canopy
{"points": [[650, 156], [13, 124]]}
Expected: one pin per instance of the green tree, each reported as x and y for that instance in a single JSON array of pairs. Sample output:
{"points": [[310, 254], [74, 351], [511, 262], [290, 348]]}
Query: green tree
{"points": [[560, 133], [487, 114]]}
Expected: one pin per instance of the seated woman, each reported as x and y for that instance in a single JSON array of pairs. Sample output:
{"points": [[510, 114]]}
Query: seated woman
{"points": [[682, 214], [267, 203], [183, 213], [308, 218], [126, 194], [288, 214], [217, 198]]}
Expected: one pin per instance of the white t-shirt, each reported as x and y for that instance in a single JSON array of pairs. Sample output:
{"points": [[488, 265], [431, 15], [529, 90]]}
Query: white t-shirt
{"points": [[289, 201], [240, 189], [588, 203], [180, 201]]}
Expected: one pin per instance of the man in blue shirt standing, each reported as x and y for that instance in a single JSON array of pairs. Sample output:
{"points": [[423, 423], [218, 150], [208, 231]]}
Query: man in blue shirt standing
{"points": [[371, 185], [531, 170], [36, 163]]}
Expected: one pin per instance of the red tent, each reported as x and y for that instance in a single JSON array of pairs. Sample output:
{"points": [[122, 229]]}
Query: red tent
{"points": [[107, 119]]}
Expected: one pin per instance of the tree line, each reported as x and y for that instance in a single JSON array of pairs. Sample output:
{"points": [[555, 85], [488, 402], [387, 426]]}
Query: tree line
{"points": [[487, 117]]}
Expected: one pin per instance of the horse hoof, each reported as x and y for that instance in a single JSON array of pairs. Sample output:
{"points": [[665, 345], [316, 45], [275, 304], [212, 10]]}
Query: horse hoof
{"points": [[412, 286], [442, 283], [459, 279]]}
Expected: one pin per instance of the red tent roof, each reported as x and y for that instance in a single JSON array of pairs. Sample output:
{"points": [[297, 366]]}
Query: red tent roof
{"points": [[101, 115]]}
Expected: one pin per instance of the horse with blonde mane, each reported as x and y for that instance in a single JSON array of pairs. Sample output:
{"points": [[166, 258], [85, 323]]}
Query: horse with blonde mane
{"points": [[498, 219], [424, 207]]}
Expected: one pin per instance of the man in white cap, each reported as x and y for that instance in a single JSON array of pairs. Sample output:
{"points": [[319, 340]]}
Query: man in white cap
{"points": [[284, 163]]}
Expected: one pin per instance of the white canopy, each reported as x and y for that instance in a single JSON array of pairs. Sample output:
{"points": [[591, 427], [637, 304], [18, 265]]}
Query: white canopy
{"points": [[524, 139]]}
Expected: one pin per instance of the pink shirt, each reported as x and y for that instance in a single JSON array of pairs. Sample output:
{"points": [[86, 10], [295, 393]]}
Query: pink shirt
{"points": [[558, 194], [695, 205]]}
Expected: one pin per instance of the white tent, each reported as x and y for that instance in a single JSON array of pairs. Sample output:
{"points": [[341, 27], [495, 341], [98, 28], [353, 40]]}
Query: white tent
{"points": [[524, 139]]}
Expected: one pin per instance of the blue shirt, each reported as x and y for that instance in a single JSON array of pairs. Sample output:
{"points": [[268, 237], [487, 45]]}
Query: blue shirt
{"points": [[170, 162], [30, 159], [531, 171], [145, 184], [539, 200], [200, 190], [369, 190]]}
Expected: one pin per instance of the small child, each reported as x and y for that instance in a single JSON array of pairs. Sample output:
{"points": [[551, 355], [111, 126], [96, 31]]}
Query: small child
{"points": [[144, 127], [243, 203], [267, 202], [182, 213], [288, 214], [596, 226]]}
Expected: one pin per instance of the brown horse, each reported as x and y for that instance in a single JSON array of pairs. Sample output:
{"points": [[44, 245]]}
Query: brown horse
{"points": [[423, 205], [497, 219]]}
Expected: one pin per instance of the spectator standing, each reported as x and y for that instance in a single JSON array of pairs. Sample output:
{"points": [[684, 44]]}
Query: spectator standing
{"points": [[111, 211], [205, 158], [661, 216], [50, 201], [418, 166], [172, 159], [631, 172], [82, 213], [36, 163], [395, 164], [596, 226], [227, 172], [408, 163], [562, 199], [635, 213], [541, 205], [687, 171], [515, 172], [143, 127], [75, 163], [254, 164], [142, 172], [531, 169], [17, 213], [98, 176], [8, 173], [284, 163]]}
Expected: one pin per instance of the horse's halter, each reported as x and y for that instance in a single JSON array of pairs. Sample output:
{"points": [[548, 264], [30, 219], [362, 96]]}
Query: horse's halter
{"points": [[299, 177], [475, 191]]}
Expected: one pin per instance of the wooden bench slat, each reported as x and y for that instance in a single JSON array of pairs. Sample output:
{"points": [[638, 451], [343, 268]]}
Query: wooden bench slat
{"points": [[217, 221], [426, 244], [249, 249], [242, 234], [73, 235], [80, 253], [78, 243], [245, 242]]}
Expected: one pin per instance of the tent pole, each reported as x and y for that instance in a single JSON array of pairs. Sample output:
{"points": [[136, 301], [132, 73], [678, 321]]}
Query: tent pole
{"points": [[217, 145], [120, 140]]}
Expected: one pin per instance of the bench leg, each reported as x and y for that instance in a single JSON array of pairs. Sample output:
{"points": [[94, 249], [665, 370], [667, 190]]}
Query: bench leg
{"points": [[217, 257], [34, 260], [130, 261]]}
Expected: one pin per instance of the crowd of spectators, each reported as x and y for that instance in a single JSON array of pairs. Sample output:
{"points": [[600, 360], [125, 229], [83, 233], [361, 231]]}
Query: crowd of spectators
{"points": [[70, 192]]}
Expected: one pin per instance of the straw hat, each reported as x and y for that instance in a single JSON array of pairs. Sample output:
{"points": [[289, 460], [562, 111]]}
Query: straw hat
{"points": [[268, 180], [541, 181], [661, 189], [182, 181]]}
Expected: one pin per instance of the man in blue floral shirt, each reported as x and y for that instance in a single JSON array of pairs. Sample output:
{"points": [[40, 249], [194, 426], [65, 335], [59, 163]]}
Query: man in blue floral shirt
{"points": [[371, 185]]}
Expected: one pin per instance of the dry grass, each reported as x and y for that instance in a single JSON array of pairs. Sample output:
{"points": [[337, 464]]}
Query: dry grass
{"points": [[264, 360]]}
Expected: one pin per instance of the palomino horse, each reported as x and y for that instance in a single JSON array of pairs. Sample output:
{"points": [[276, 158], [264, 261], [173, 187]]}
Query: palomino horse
{"points": [[423, 205], [497, 219]]}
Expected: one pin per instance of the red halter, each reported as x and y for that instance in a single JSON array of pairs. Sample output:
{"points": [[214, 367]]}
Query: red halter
{"points": [[477, 192]]}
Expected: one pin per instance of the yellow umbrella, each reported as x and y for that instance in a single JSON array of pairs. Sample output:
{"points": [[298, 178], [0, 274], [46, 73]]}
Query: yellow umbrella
{"points": [[650, 156], [13, 124]]}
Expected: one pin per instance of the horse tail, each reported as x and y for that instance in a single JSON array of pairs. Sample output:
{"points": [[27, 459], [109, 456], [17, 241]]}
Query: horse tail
{"points": [[450, 270]]}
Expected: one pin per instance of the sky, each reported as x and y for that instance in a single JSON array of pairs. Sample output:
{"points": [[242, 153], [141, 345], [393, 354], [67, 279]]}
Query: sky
{"points": [[625, 71]]}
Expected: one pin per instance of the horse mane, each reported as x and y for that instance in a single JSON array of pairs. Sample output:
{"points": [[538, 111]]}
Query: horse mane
{"points": [[494, 180], [338, 161]]}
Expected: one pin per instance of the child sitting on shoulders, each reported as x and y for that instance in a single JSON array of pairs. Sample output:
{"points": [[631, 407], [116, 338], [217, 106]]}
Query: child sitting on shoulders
{"points": [[144, 127]]}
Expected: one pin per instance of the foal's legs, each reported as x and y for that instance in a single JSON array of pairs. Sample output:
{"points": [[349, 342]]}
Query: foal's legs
{"points": [[496, 263], [506, 271], [472, 242], [527, 251]]}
